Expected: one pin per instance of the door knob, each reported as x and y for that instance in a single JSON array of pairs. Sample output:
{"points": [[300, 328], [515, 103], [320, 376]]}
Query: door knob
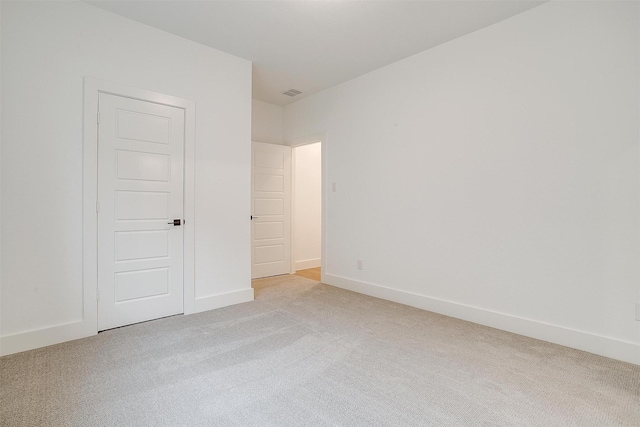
{"points": [[253, 217], [176, 222]]}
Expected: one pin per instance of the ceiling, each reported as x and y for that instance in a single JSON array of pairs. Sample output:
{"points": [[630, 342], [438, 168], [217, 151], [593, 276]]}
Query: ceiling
{"points": [[313, 45]]}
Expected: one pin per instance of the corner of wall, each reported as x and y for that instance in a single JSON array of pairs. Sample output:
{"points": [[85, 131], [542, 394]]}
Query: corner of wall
{"points": [[267, 122]]}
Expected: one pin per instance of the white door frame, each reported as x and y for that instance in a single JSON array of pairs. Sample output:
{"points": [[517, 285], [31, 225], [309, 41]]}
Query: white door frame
{"points": [[92, 88], [298, 142]]}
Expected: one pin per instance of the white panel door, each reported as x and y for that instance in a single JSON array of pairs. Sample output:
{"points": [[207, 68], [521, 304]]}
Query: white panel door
{"points": [[140, 192], [271, 210]]}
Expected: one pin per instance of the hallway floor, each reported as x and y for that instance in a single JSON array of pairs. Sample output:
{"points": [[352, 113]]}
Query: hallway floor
{"points": [[310, 273]]}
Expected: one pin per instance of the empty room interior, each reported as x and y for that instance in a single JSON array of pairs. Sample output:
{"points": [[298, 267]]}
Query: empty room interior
{"points": [[322, 213]]}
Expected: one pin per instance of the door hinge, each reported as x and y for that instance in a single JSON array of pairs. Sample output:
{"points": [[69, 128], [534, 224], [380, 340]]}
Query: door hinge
{"points": [[97, 205], [98, 294], [98, 117]]}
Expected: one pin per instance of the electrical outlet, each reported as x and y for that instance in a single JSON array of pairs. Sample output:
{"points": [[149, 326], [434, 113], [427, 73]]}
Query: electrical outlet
{"points": [[359, 264], [638, 311]]}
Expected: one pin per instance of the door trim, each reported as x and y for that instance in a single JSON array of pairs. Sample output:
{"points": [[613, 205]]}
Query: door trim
{"points": [[92, 88]]}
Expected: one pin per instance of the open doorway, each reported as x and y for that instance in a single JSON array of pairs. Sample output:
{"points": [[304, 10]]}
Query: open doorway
{"points": [[286, 209], [306, 209]]}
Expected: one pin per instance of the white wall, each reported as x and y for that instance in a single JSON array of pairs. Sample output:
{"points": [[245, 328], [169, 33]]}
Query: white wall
{"points": [[495, 178], [266, 122], [307, 207], [47, 49]]}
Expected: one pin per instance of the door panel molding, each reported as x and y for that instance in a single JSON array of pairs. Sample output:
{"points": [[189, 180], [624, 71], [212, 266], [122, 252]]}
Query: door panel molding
{"points": [[270, 209], [140, 259], [92, 89]]}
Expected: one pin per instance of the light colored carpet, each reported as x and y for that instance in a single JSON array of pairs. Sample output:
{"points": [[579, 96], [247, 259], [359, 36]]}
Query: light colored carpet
{"points": [[309, 354]]}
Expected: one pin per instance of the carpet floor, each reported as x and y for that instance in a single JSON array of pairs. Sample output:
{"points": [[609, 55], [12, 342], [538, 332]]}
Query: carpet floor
{"points": [[308, 354]]}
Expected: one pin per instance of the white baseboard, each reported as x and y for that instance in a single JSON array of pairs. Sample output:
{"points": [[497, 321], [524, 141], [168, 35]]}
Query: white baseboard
{"points": [[597, 344], [307, 263], [223, 300], [30, 340], [81, 329]]}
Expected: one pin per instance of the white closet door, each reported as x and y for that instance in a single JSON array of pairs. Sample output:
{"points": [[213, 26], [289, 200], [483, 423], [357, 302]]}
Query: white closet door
{"points": [[140, 192]]}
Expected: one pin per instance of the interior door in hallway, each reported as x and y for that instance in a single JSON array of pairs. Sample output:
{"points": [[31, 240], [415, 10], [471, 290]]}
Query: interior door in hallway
{"points": [[140, 192], [270, 210]]}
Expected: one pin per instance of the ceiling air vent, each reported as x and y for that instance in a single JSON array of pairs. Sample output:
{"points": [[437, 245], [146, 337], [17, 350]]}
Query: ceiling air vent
{"points": [[292, 92]]}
